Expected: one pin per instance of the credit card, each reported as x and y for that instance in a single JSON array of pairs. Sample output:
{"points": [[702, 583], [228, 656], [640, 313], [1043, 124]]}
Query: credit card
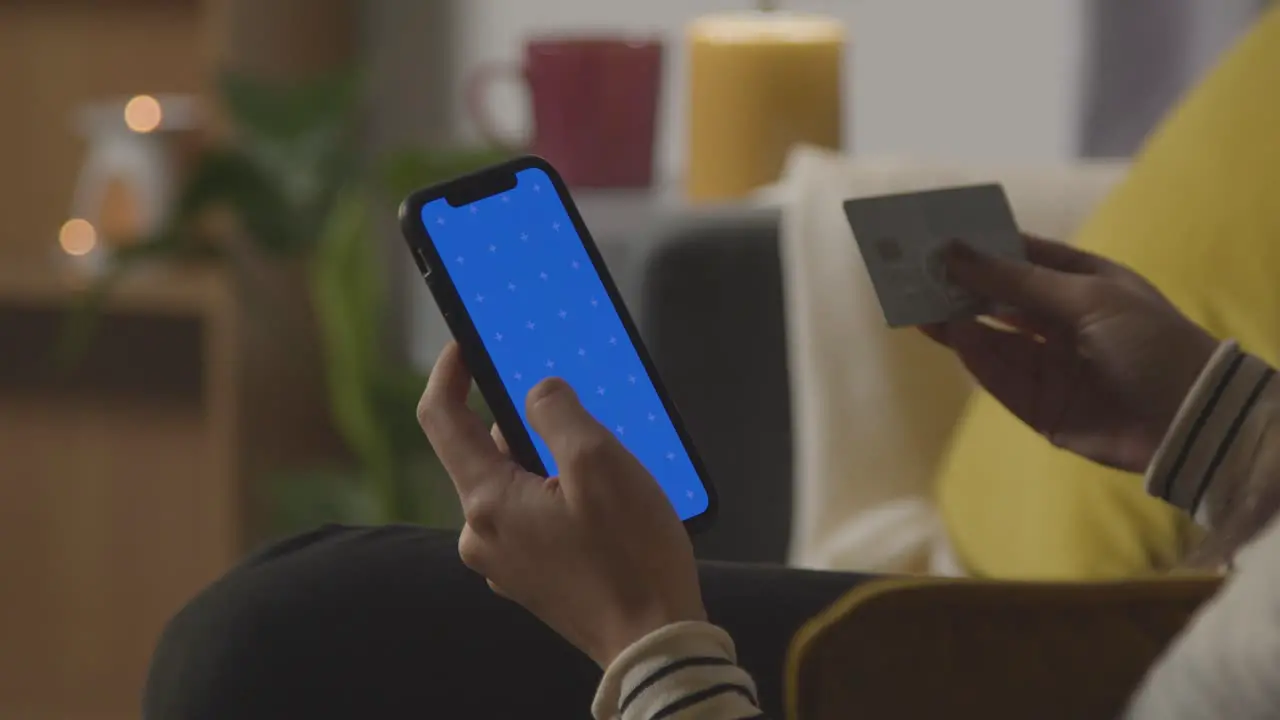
{"points": [[902, 237]]}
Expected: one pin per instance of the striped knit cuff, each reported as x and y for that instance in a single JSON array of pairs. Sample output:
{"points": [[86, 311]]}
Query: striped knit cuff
{"points": [[673, 671], [1203, 432]]}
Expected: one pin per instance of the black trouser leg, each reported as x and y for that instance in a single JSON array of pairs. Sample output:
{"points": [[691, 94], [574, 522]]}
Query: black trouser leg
{"points": [[372, 623]]}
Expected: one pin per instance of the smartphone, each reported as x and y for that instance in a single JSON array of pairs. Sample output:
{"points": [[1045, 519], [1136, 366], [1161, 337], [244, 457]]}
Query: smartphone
{"points": [[527, 296]]}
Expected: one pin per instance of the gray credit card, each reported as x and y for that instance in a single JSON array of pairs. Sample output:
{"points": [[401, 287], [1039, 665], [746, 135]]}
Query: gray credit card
{"points": [[901, 238]]}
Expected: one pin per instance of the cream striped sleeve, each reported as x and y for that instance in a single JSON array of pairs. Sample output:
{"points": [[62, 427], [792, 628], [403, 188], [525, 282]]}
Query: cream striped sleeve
{"points": [[1220, 461], [684, 671]]}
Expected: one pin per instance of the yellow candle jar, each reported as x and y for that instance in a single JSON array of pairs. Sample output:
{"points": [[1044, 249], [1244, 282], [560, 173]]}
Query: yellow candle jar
{"points": [[759, 83]]}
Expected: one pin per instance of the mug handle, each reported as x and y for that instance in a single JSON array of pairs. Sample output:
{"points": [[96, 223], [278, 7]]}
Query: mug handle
{"points": [[481, 81]]}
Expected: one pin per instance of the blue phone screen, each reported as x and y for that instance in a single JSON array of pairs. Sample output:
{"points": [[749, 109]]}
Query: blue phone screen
{"points": [[542, 310]]}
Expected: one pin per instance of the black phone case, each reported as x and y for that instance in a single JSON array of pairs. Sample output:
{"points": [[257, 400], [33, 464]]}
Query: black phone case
{"points": [[478, 185]]}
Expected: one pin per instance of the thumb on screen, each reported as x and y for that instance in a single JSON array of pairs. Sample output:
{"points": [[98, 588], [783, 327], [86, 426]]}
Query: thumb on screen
{"points": [[571, 433]]}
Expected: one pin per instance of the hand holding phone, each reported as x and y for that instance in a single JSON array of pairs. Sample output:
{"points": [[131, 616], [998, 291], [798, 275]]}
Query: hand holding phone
{"points": [[595, 552], [563, 512], [527, 296]]}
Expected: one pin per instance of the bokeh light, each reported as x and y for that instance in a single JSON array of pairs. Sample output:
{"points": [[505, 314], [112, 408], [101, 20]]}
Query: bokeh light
{"points": [[143, 113], [77, 237]]}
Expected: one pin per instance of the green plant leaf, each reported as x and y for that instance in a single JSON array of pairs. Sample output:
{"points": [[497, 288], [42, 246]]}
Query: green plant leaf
{"points": [[285, 111], [83, 315], [227, 177], [425, 494], [306, 499], [347, 296], [431, 497], [306, 172], [222, 177], [396, 391], [301, 137]]}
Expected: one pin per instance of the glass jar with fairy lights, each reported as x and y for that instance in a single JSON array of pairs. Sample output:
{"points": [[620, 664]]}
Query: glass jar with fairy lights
{"points": [[135, 152]]}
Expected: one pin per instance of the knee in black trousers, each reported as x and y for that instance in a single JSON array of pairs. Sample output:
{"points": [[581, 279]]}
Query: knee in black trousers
{"points": [[369, 623]]}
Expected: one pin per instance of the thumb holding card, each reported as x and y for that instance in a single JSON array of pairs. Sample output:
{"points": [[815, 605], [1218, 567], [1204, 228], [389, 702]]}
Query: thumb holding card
{"points": [[1027, 287]]}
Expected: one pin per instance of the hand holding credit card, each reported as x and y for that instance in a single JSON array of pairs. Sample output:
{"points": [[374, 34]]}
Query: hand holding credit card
{"points": [[902, 238]]}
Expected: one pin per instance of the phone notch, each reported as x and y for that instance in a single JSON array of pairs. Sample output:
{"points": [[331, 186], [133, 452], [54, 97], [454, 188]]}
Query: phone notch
{"points": [[477, 187]]}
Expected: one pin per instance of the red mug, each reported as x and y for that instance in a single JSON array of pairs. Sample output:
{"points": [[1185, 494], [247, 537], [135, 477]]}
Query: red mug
{"points": [[594, 107]]}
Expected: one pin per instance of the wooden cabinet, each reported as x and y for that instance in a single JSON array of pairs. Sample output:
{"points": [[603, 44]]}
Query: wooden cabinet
{"points": [[129, 484], [118, 489], [132, 481]]}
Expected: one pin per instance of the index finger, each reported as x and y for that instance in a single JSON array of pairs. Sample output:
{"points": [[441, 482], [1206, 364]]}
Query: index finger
{"points": [[460, 438]]}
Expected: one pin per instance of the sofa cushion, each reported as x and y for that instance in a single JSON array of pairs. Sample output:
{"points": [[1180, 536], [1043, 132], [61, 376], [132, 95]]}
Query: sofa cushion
{"points": [[1198, 215]]}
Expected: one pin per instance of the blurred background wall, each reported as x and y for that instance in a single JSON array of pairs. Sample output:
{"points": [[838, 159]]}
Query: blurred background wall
{"points": [[997, 80], [981, 78]]}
